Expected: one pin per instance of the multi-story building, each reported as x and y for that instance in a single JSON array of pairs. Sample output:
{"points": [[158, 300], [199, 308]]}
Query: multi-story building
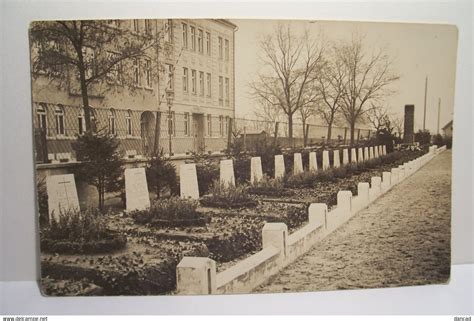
{"points": [[195, 62]]}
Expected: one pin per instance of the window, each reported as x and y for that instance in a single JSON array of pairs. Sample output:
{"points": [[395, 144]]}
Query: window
{"points": [[200, 41], [128, 122], [220, 47], [201, 83], [186, 124], [221, 125], [111, 118], [208, 43], [171, 123], [136, 25], [81, 120], [193, 38], [59, 115], [168, 36], [209, 125], [227, 91], [149, 81], [185, 35], [193, 81], [147, 27], [136, 72], [185, 79], [226, 125], [209, 90], [41, 113], [221, 89], [227, 50], [169, 76]]}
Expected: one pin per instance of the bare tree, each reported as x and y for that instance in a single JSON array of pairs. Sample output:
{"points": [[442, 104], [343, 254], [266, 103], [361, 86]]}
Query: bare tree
{"points": [[330, 84], [91, 51], [378, 117], [366, 79], [268, 112], [291, 63]]}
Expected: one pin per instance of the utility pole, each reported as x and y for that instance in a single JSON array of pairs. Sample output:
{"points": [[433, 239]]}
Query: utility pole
{"points": [[439, 110], [424, 110]]}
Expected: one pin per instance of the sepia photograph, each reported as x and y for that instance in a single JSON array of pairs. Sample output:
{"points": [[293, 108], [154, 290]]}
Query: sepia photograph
{"points": [[234, 156]]}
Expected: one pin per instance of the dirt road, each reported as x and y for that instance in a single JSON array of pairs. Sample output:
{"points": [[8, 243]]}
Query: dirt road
{"points": [[401, 239]]}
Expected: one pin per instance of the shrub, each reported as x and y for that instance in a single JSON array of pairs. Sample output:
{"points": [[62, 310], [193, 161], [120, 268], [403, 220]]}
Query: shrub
{"points": [[266, 149], [228, 197], [438, 140], [305, 179], [207, 171], [101, 162], [77, 232], [174, 209], [242, 169], [269, 187], [423, 137], [42, 201], [161, 176]]}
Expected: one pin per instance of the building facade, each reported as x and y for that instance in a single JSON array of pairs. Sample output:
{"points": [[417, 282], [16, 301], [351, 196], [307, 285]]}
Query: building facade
{"points": [[194, 64]]}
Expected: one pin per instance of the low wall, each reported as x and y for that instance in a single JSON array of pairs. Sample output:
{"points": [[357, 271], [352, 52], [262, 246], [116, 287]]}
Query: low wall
{"points": [[197, 275]]}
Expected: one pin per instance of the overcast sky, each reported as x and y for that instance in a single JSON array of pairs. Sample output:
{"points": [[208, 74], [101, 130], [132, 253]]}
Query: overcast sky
{"points": [[418, 50]]}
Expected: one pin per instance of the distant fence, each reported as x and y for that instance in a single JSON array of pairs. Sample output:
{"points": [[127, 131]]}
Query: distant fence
{"points": [[57, 126]]}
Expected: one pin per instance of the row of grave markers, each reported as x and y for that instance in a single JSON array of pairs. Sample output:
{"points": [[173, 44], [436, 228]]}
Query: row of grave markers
{"points": [[62, 193]]}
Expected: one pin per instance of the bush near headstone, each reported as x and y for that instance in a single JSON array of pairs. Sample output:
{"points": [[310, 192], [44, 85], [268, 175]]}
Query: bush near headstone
{"points": [[207, 170], [161, 176], [228, 197], [80, 232]]}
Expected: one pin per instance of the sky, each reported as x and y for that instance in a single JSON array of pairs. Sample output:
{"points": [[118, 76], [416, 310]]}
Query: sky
{"points": [[417, 51]]}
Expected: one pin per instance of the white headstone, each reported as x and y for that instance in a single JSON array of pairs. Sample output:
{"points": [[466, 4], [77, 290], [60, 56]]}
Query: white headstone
{"points": [[371, 152], [313, 162], [188, 181], [384, 150], [136, 189], [380, 150], [326, 159], [376, 152], [336, 159], [279, 166], [345, 156], [226, 173], [360, 154], [256, 173], [297, 163], [353, 156], [62, 194], [366, 153]]}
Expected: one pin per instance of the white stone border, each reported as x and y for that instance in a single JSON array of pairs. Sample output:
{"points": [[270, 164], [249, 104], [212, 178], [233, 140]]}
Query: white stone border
{"points": [[197, 275]]}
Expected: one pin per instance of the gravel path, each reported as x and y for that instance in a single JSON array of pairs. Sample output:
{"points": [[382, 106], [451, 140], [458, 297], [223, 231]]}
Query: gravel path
{"points": [[401, 239]]}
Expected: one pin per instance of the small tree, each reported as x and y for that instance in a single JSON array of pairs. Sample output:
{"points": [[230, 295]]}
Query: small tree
{"points": [[161, 175], [101, 162], [423, 137]]}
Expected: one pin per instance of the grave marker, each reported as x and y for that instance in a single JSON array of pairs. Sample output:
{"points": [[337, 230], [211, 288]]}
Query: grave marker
{"points": [[226, 171], [345, 156], [313, 162], [376, 152], [256, 173], [366, 154], [326, 160], [136, 189], [336, 159], [188, 181], [62, 194], [353, 156], [297, 163], [279, 166], [371, 152], [361, 155]]}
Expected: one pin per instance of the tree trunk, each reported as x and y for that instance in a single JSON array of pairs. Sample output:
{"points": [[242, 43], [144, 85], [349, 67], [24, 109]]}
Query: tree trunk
{"points": [[290, 129], [304, 133], [352, 124], [328, 139], [84, 91]]}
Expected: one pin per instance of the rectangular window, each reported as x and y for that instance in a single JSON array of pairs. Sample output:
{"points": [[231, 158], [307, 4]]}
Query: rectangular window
{"points": [[185, 79], [227, 50], [185, 36], [209, 83], [227, 91], [226, 125], [149, 80], [221, 125], [112, 125], [81, 123], [193, 38], [208, 43], [147, 27], [193, 81], [42, 119], [136, 25], [221, 89], [168, 36], [128, 123], [136, 72], [220, 48], [209, 125], [201, 83], [200, 41], [186, 124], [60, 122], [169, 77]]}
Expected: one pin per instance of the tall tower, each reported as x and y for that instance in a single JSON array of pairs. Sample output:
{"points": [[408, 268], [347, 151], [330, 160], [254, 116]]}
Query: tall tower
{"points": [[409, 124]]}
